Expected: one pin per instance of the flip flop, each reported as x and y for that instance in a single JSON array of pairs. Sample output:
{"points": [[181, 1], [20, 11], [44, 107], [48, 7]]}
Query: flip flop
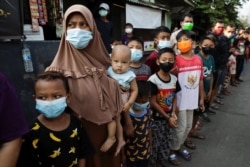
{"points": [[214, 106], [185, 155], [189, 144], [173, 160], [197, 136], [219, 102]]}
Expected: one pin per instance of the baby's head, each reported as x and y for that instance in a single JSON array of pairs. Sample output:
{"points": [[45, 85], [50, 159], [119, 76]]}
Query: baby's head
{"points": [[120, 59]]}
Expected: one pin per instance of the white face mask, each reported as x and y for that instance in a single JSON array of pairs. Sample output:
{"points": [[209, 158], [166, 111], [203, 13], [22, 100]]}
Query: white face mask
{"points": [[128, 30], [103, 12], [164, 44]]}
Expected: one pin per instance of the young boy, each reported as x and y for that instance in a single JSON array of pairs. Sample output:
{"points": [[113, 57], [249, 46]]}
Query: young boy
{"points": [[232, 65], [142, 71], [162, 101], [190, 77], [207, 45], [56, 137], [138, 146], [161, 40]]}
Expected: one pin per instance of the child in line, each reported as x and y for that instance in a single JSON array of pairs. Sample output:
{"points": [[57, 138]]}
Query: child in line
{"points": [[163, 103], [161, 40], [115, 42], [190, 77], [138, 146], [232, 65], [56, 137], [141, 70], [207, 46], [120, 60]]}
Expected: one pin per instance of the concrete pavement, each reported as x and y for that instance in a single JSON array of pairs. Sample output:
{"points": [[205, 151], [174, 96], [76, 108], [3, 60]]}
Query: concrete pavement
{"points": [[227, 142]]}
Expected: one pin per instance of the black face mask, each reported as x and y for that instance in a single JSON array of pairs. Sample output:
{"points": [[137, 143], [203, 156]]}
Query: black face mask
{"points": [[207, 50], [166, 67]]}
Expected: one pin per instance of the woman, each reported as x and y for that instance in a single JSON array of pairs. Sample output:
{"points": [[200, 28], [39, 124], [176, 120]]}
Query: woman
{"points": [[96, 99]]}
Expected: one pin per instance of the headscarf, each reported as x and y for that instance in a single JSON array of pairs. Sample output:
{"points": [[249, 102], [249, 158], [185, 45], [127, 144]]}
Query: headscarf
{"points": [[95, 96]]}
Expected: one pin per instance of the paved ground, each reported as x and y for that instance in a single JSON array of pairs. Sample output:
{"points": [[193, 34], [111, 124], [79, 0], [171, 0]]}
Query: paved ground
{"points": [[227, 142]]}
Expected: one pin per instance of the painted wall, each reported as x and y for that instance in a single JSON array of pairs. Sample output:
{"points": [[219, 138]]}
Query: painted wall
{"points": [[11, 65]]}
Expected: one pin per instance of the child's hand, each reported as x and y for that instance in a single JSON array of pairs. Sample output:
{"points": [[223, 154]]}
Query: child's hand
{"points": [[172, 121], [126, 107]]}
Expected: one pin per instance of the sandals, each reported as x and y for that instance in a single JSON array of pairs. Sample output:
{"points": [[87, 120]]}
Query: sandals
{"points": [[218, 101], [197, 136], [189, 144], [185, 155], [174, 160], [214, 106]]}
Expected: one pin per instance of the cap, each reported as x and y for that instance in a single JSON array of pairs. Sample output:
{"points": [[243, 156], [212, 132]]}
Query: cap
{"points": [[104, 5]]}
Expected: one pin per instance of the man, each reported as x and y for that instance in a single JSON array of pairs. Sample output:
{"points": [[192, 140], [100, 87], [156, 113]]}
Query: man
{"points": [[221, 60], [104, 26], [216, 30], [186, 23]]}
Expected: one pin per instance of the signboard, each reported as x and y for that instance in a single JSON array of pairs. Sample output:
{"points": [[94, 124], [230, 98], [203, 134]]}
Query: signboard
{"points": [[11, 19]]}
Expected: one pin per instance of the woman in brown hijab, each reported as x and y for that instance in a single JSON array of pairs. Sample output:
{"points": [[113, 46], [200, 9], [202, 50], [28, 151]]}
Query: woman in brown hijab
{"points": [[83, 59]]}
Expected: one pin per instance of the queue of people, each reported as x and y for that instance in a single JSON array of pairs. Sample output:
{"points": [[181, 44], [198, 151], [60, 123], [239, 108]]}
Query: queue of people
{"points": [[106, 109]]}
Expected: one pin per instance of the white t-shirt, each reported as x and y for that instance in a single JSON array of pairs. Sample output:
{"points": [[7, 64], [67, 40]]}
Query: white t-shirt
{"points": [[190, 72]]}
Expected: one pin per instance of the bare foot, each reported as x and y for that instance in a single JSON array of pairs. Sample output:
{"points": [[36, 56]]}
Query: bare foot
{"points": [[120, 145], [129, 129], [108, 143]]}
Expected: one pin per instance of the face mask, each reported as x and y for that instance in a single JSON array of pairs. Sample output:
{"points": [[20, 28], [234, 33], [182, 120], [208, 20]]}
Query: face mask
{"points": [[79, 38], [51, 109], [166, 67], [218, 31], [164, 44], [103, 12], [128, 30], [140, 107], [184, 46], [207, 50], [188, 26], [136, 55], [228, 35]]}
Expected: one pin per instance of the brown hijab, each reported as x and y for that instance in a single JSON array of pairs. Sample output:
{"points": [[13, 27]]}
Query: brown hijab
{"points": [[95, 96]]}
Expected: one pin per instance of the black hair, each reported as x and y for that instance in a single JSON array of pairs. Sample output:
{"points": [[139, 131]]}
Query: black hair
{"points": [[217, 21], [129, 24], [115, 39], [209, 37], [53, 75], [160, 29], [229, 25], [186, 15], [187, 33], [165, 50], [144, 88], [135, 38]]}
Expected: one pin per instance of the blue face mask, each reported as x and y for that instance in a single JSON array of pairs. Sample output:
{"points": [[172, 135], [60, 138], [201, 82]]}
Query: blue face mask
{"points": [[103, 12], [79, 38], [136, 55], [51, 109], [164, 44], [140, 107]]}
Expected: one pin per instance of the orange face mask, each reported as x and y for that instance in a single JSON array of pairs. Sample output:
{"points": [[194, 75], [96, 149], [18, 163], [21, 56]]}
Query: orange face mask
{"points": [[184, 46]]}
